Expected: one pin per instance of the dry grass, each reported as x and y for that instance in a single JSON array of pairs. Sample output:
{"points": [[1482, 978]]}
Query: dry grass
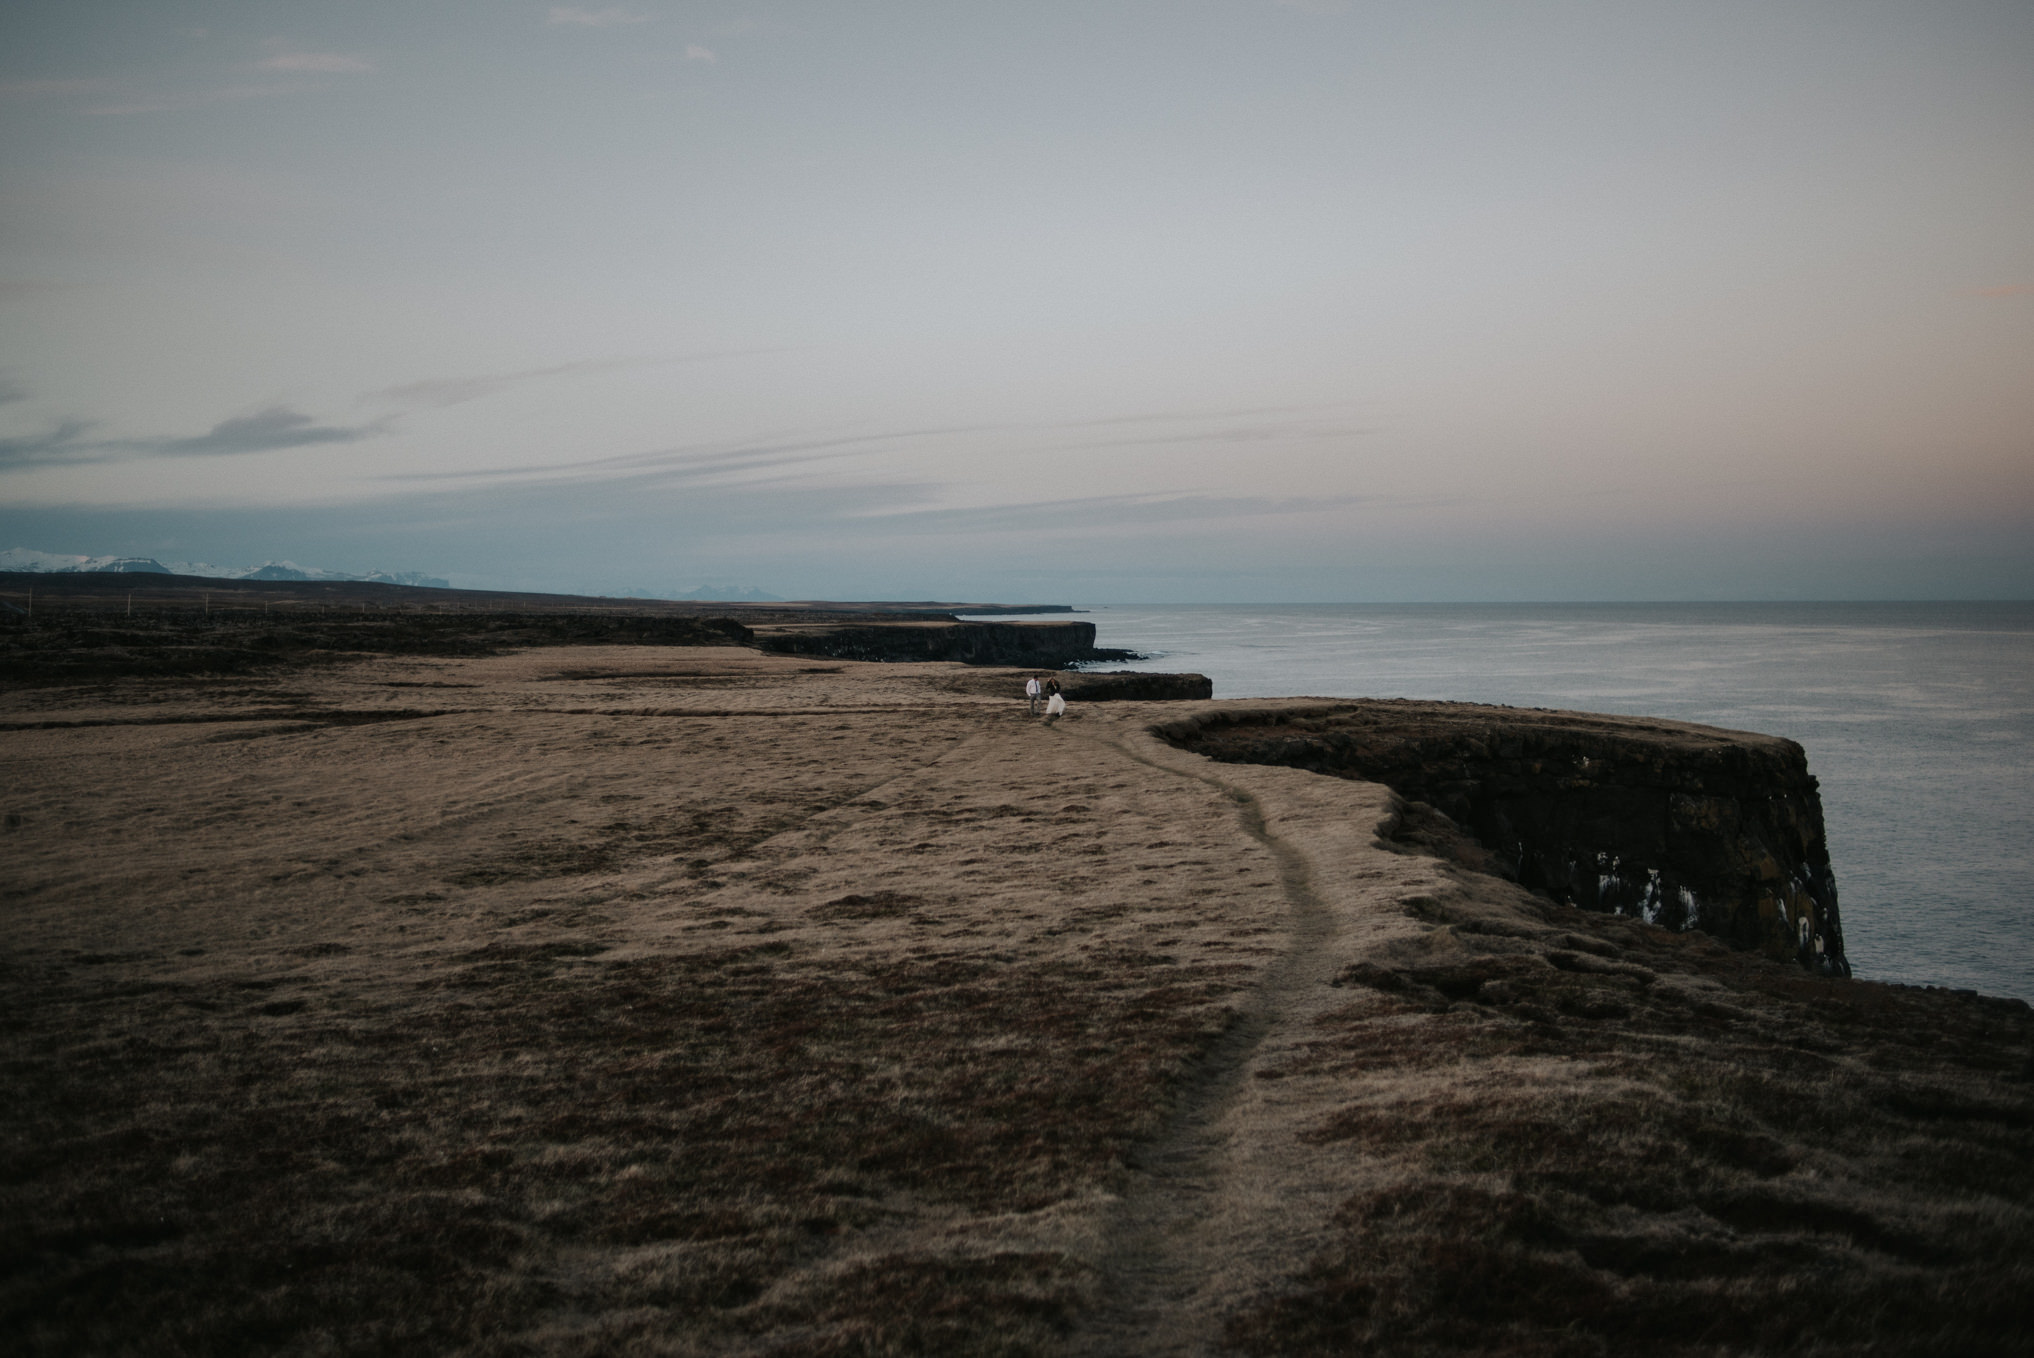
{"points": [[647, 1001], [209, 1167], [518, 1029], [1601, 1138]]}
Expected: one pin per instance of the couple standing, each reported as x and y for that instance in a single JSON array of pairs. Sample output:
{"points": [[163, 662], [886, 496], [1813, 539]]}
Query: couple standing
{"points": [[1055, 704]]}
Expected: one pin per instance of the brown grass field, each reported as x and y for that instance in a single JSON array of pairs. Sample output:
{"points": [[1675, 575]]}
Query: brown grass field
{"points": [[688, 1001]]}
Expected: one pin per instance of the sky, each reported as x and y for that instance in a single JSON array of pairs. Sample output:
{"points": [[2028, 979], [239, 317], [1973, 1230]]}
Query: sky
{"points": [[1055, 302]]}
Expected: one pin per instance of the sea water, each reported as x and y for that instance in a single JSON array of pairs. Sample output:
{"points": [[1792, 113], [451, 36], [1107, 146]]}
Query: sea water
{"points": [[1918, 719]]}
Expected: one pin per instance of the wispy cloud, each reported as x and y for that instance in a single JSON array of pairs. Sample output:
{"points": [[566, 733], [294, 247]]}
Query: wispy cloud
{"points": [[275, 429], [58, 445], [610, 17], [702, 460], [779, 453], [283, 59], [11, 390], [436, 393], [694, 52], [25, 91], [333, 63], [1104, 511], [265, 431]]}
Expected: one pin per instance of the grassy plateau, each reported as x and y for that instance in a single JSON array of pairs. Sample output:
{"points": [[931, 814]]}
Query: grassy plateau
{"points": [[654, 999]]}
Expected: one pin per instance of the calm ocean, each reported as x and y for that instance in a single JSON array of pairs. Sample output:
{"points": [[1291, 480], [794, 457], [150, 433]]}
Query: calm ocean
{"points": [[1918, 719]]}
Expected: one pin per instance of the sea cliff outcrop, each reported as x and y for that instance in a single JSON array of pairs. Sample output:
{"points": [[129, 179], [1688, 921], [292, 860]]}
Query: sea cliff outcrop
{"points": [[1133, 686], [1088, 686], [58, 627], [1690, 827], [1033, 645]]}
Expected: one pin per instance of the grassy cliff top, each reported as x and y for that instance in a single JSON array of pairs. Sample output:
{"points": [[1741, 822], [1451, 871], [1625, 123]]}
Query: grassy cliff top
{"points": [[688, 1000]]}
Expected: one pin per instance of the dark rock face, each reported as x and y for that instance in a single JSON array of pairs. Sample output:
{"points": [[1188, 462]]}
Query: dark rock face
{"points": [[1135, 687], [1083, 686], [1685, 826], [1032, 645]]}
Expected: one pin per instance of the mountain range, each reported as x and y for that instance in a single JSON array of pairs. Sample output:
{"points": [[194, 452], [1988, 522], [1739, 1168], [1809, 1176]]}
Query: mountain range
{"points": [[55, 563], [52, 563]]}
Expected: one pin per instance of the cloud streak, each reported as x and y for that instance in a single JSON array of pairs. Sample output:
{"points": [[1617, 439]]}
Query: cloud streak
{"points": [[275, 429], [282, 59], [60, 444], [329, 63], [440, 392], [1112, 511], [265, 431], [699, 460], [774, 454]]}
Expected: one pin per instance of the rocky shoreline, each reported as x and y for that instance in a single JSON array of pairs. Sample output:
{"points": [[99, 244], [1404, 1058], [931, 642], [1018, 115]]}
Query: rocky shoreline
{"points": [[1031, 645]]}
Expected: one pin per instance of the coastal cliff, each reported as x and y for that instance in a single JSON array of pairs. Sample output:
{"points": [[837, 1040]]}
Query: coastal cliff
{"points": [[1685, 826], [1032, 645], [105, 625], [1090, 686]]}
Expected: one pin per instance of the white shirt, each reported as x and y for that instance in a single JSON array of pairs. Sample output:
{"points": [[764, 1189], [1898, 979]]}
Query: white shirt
{"points": [[1031, 688]]}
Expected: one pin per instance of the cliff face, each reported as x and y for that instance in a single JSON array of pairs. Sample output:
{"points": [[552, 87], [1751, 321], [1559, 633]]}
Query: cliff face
{"points": [[1033, 645], [1685, 826], [1088, 686], [1134, 686]]}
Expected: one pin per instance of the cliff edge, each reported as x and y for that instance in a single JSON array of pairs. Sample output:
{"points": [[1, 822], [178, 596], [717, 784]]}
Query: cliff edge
{"points": [[1033, 645], [1690, 827]]}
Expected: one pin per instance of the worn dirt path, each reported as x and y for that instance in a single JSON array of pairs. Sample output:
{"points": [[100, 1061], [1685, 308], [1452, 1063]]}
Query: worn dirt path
{"points": [[1227, 1200]]}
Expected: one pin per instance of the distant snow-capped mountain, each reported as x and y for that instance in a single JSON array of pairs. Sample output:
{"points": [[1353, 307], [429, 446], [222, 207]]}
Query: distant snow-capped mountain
{"points": [[53, 563], [290, 570]]}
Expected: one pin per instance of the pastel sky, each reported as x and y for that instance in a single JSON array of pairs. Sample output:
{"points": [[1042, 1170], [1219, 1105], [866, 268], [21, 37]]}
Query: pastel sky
{"points": [[1084, 302]]}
